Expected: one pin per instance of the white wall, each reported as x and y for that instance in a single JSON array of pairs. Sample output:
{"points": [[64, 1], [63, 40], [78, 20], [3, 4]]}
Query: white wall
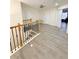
{"points": [[15, 12], [50, 16], [53, 16], [29, 12], [64, 6]]}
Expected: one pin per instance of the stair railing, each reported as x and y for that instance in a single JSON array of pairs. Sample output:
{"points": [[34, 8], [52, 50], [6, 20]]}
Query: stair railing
{"points": [[17, 36]]}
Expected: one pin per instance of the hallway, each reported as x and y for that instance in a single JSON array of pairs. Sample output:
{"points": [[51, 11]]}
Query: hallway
{"points": [[52, 43]]}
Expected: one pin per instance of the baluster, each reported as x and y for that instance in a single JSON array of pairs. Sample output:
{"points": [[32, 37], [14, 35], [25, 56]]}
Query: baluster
{"points": [[38, 25], [23, 33], [20, 34], [11, 46], [26, 33], [17, 37], [13, 39]]}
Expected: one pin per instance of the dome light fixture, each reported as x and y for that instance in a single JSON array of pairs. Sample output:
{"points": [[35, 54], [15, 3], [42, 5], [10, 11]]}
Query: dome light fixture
{"points": [[42, 6], [56, 4]]}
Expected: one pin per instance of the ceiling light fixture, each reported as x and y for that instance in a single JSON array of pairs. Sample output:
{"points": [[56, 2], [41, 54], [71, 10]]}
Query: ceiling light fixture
{"points": [[42, 5], [56, 4]]}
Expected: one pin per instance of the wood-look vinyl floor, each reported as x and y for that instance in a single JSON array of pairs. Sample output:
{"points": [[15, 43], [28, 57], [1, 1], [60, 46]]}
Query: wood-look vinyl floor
{"points": [[50, 44]]}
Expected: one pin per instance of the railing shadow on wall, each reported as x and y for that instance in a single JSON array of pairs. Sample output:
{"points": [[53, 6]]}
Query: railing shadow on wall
{"points": [[18, 36]]}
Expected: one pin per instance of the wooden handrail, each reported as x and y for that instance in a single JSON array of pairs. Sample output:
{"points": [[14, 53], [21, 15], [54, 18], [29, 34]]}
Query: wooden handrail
{"points": [[16, 26]]}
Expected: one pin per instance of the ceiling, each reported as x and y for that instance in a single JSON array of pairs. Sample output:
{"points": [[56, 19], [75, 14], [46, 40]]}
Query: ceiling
{"points": [[46, 3]]}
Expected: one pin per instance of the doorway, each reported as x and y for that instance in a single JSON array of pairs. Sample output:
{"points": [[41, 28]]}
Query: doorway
{"points": [[64, 19]]}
